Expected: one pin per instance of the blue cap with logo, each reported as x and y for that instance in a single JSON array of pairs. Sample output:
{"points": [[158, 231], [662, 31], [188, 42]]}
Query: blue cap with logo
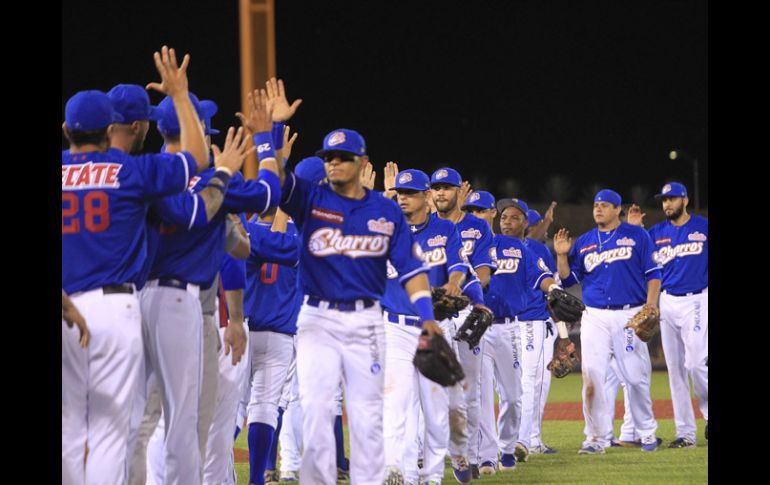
{"points": [[168, 124], [503, 204], [481, 199], [608, 195], [448, 176], [533, 217], [412, 179], [672, 189], [311, 169], [133, 103], [343, 140], [90, 111]]}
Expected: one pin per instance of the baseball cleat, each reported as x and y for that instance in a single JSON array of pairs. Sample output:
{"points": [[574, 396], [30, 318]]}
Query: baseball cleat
{"points": [[650, 443], [343, 475], [487, 468], [521, 453], [591, 450], [289, 476], [475, 471], [542, 450], [461, 470], [394, 477], [271, 477], [507, 462], [681, 443]]}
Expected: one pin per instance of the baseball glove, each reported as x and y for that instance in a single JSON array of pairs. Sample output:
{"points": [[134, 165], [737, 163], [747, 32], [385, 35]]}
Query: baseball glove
{"points": [[564, 307], [445, 306], [565, 358], [474, 326], [645, 323], [436, 360]]}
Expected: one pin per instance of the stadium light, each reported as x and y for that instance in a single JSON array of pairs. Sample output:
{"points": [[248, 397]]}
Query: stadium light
{"points": [[676, 154]]}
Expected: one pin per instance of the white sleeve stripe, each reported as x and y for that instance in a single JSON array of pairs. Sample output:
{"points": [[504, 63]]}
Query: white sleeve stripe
{"points": [[195, 211], [470, 283], [452, 268], [267, 203], [186, 170], [491, 265], [653, 269], [293, 184], [541, 278], [574, 276], [421, 269]]}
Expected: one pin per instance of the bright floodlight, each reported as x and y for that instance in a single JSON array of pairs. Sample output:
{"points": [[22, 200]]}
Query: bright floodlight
{"points": [[673, 155]]}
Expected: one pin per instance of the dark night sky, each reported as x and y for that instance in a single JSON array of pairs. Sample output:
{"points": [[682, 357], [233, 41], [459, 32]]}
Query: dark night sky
{"points": [[596, 91]]}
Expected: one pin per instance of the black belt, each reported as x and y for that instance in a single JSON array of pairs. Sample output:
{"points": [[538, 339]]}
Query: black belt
{"points": [[173, 283], [124, 288], [502, 319], [410, 321], [689, 293], [620, 307], [343, 306]]}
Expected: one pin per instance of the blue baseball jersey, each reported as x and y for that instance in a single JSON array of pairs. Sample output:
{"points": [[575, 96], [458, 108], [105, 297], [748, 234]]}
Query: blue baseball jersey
{"points": [[519, 272], [477, 241], [272, 298], [613, 266], [347, 242], [535, 307], [441, 250], [104, 204], [684, 254], [194, 255], [232, 273]]}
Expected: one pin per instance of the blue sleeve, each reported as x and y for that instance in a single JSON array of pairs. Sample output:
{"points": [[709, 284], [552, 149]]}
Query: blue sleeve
{"points": [[252, 195], [473, 291], [233, 273], [536, 269], [165, 173], [295, 197], [273, 247], [182, 209], [454, 252], [481, 254], [652, 269], [403, 252]]}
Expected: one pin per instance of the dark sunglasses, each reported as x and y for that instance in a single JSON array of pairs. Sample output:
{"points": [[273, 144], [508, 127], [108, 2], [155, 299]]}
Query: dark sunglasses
{"points": [[343, 156]]}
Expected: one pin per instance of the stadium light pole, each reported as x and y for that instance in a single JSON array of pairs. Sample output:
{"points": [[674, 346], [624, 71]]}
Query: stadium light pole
{"points": [[679, 154]]}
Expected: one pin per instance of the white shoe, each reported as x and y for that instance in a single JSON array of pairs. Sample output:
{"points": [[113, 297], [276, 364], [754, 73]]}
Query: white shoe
{"points": [[289, 476]]}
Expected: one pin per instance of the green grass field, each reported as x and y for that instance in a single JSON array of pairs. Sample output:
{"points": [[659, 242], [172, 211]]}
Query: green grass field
{"points": [[619, 465]]}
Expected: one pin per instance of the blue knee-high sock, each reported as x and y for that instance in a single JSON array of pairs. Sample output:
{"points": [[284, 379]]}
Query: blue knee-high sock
{"points": [[342, 462], [260, 440], [272, 457]]}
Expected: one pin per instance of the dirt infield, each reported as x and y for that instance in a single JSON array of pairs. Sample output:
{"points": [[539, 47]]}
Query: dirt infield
{"points": [[560, 411]]}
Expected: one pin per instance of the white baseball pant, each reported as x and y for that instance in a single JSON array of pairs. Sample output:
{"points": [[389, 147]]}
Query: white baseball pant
{"points": [[271, 354], [471, 360], [535, 378], [458, 411], [627, 430], [540, 389], [291, 430]]}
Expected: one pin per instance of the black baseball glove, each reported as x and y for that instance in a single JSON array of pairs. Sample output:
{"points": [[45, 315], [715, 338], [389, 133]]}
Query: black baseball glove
{"points": [[445, 306], [436, 360], [471, 331], [564, 307]]}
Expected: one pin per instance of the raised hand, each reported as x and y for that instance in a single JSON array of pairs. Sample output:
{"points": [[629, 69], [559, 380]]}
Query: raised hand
{"points": [[276, 93], [288, 142], [390, 172], [235, 152], [562, 243], [549, 213], [173, 78], [260, 116], [368, 175], [465, 190], [635, 215]]}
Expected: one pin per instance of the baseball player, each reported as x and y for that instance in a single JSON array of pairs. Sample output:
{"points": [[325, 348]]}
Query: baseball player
{"points": [[187, 261], [476, 236], [405, 387], [104, 194], [619, 275], [537, 228], [681, 242], [521, 278], [348, 233]]}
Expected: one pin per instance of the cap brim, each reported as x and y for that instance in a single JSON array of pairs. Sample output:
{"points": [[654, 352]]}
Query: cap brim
{"points": [[155, 113], [504, 204], [212, 131], [472, 205], [403, 187], [660, 196], [445, 183], [321, 153]]}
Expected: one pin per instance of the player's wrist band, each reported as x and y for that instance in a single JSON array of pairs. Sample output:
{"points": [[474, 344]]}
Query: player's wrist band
{"points": [[423, 303], [264, 143], [222, 176], [562, 328], [278, 134]]}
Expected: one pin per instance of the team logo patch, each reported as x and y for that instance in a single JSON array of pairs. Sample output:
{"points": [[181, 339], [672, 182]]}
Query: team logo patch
{"points": [[336, 138], [90, 176], [475, 196], [327, 241], [629, 340], [437, 241], [512, 252], [593, 260], [381, 226], [668, 253], [390, 270], [404, 178], [476, 350], [664, 240], [509, 265], [327, 215], [442, 174], [697, 236], [542, 266], [530, 347], [470, 233], [375, 368], [435, 257], [590, 247], [666, 188], [193, 182], [626, 241], [516, 364]]}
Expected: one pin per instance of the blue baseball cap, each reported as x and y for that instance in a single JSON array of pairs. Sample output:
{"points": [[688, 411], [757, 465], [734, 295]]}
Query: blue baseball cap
{"points": [[168, 124], [90, 111], [533, 217], [672, 189], [343, 140], [481, 199], [311, 169], [412, 179], [446, 176], [608, 195], [208, 108], [503, 204], [133, 103]]}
